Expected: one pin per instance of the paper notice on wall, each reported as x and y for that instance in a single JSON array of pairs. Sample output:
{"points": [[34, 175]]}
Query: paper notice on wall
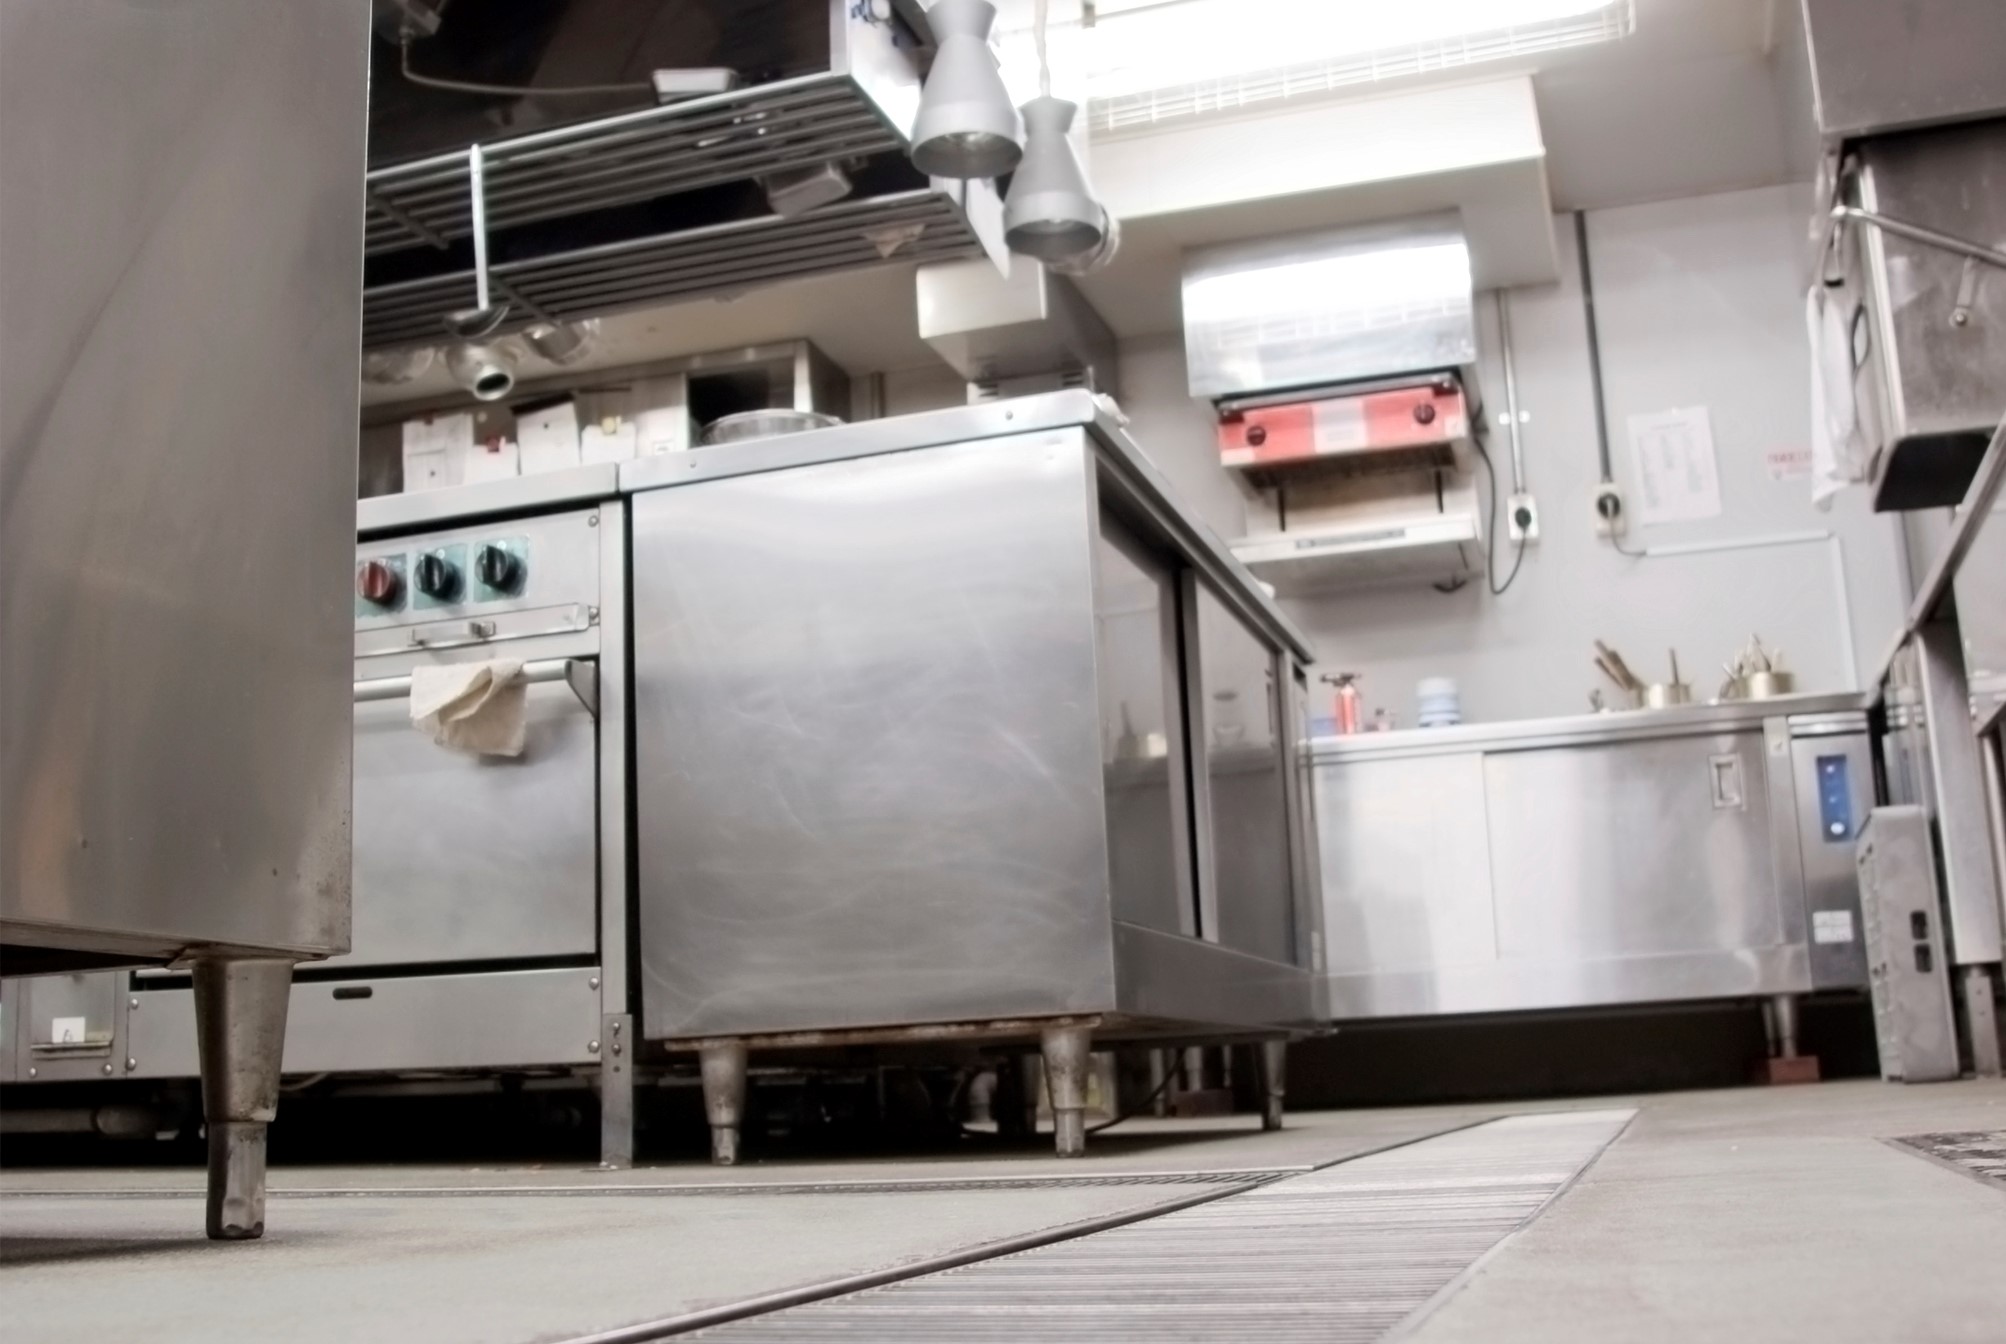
{"points": [[1787, 464], [1831, 926], [1677, 478]]}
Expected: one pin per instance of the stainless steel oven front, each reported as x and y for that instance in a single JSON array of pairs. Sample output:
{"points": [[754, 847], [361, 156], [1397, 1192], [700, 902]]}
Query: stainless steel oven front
{"points": [[490, 891]]}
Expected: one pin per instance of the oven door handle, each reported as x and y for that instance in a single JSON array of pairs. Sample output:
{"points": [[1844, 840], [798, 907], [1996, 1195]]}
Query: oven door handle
{"points": [[581, 675]]}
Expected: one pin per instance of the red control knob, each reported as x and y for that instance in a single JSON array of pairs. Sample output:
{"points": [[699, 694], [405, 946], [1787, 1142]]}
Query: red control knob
{"points": [[377, 583]]}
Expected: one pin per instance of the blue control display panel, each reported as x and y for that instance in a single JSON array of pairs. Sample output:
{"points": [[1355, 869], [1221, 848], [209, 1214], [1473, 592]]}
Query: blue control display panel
{"points": [[1835, 799]]}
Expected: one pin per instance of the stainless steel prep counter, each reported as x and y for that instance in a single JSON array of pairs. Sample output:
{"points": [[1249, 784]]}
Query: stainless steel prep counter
{"points": [[1645, 856]]}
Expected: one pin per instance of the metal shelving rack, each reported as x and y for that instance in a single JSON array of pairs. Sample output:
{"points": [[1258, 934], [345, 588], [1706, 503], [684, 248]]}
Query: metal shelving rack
{"points": [[846, 113]]}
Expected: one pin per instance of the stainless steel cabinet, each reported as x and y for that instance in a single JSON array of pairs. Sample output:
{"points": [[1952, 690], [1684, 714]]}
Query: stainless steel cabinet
{"points": [[912, 706], [1606, 859]]}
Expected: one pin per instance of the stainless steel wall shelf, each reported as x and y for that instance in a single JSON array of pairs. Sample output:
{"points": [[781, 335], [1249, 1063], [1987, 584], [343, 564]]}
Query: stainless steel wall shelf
{"points": [[635, 156], [922, 225]]}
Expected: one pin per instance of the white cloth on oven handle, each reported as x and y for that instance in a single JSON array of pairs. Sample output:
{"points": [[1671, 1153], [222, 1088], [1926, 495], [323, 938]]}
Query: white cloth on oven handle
{"points": [[479, 708]]}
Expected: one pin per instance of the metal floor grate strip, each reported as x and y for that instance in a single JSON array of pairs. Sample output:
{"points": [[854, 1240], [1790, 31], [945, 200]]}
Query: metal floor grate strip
{"points": [[1235, 1177], [1341, 1254]]}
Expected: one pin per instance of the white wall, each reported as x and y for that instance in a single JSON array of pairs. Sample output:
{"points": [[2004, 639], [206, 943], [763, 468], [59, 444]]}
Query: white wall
{"points": [[1701, 304]]}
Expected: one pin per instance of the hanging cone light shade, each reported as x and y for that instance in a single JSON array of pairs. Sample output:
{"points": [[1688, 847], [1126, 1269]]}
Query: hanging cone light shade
{"points": [[966, 127], [1051, 213]]}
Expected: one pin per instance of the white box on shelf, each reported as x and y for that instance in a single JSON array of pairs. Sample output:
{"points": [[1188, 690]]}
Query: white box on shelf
{"points": [[549, 437], [435, 450], [610, 440], [496, 459]]}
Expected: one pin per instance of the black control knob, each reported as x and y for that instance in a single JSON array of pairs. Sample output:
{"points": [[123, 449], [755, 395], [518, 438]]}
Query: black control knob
{"points": [[498, 569], [437, 577], [378, 584]]}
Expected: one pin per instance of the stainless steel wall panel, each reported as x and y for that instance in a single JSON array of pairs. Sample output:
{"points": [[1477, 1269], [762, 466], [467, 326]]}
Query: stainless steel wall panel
{"points": [[463, 858], [868, 769], [1630, 850], [181, 278]]}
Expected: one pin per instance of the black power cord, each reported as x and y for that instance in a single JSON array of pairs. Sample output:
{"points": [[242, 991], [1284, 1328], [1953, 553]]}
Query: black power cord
{"points": [[1491, 532]]}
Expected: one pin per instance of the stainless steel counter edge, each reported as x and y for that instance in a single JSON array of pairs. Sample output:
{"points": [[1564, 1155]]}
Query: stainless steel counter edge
{"points": [[962, 424], [1828, 712], [431, 508]]}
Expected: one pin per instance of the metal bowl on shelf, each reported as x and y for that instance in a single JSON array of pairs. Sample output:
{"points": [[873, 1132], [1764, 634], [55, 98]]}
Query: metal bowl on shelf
{"points": [[747, 425]]}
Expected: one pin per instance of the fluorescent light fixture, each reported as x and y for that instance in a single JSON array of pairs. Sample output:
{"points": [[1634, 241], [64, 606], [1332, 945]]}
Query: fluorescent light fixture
{"points": [[1150, 60]]}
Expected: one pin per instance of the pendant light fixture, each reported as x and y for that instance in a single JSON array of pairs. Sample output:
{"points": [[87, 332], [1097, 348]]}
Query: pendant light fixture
{"points": [[1051, 213], [966, 127]]}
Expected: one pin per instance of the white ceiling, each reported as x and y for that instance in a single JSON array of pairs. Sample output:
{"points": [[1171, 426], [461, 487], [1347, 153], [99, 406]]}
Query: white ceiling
{"points": [[1687, 106]]}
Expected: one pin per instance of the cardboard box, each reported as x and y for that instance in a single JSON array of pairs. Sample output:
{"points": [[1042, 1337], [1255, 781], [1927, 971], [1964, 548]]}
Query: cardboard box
{"points": [[548, 436]]}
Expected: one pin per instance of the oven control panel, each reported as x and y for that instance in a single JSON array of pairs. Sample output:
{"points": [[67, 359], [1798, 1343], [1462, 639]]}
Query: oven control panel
{"points": [[483, 583], [447, 575]]}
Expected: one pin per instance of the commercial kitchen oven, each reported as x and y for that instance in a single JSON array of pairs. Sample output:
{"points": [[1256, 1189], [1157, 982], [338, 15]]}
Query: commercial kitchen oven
{"points": [[959, 727], [1636, 857], [489, 930]]}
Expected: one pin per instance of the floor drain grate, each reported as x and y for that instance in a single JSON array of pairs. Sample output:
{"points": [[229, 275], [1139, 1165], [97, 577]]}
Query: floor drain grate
{"points": [[1979, 1153], [1341, 1254]]}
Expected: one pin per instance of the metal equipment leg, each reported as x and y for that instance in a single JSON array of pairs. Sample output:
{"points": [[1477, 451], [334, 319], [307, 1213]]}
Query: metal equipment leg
{"points": [[724, 1098], [240, 1024], [1785, 1009], [1785, 1064], [1066, 1051], [616, 1092], [1982, 1014], [1274, 1080]]}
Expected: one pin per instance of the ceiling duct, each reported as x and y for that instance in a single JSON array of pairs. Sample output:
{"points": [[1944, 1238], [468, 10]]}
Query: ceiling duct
{"points": [[1030, 330]]}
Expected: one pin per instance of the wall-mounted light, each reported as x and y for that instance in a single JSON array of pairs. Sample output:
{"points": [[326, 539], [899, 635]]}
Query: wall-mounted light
{"points": [[487, 371], [1051, 213], [966, 126]]}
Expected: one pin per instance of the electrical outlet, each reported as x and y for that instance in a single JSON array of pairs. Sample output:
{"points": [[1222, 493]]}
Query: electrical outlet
{"points": [[1522, 519], [1610, 520]]}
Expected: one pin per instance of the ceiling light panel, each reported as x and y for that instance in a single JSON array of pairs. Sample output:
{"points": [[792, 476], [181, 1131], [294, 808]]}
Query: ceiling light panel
{"points": [[1152, 61]]}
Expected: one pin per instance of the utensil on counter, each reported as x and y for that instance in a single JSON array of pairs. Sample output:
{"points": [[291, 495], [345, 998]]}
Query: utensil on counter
{"points": [[1666, 694], [1757, 673]]}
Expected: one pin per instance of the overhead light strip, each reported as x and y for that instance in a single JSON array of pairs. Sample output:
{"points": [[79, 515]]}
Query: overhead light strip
{"points": [[1129, 112]]}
